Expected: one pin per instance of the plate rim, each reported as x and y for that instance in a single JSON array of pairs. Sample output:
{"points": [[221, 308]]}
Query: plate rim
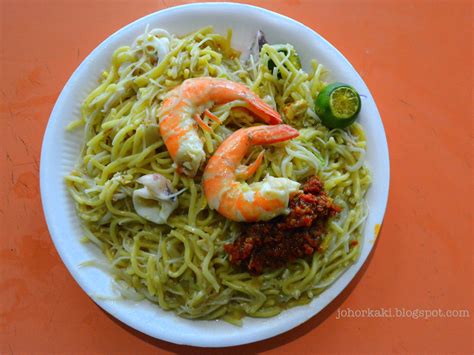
{"points": [[49, 212]]}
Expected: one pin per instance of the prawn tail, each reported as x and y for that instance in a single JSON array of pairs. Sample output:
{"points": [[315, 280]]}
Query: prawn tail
{"points": [[261, 135]]}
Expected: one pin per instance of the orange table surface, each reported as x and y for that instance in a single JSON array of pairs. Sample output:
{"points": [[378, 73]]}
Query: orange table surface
{"points": [[416, 58]]}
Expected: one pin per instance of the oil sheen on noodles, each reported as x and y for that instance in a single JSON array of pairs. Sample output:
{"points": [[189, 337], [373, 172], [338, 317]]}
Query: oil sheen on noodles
{"points": [[182, 266]]}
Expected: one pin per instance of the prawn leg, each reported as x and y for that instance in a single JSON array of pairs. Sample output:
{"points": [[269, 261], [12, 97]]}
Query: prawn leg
{"points": [[201, 123], [245, 172], [212, 116]]}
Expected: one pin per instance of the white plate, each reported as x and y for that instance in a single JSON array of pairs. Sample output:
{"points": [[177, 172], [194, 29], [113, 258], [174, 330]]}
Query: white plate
{"points": [[61, 150]]}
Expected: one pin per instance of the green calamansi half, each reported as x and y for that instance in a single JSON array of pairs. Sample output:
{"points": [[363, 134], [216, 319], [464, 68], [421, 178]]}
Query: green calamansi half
{"points": [[338, 105]]}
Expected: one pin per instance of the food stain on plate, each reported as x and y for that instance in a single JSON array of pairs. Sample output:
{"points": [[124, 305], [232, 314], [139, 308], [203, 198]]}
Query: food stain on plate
{"points": [[376, 233]]}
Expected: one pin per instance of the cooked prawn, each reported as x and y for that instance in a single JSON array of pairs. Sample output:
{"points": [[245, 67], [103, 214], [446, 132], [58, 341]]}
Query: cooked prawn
{"points": [[180, 112], [239, 201]]}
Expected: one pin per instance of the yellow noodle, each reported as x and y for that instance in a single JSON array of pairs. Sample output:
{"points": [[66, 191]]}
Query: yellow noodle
{"points": [[182, 266]]}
